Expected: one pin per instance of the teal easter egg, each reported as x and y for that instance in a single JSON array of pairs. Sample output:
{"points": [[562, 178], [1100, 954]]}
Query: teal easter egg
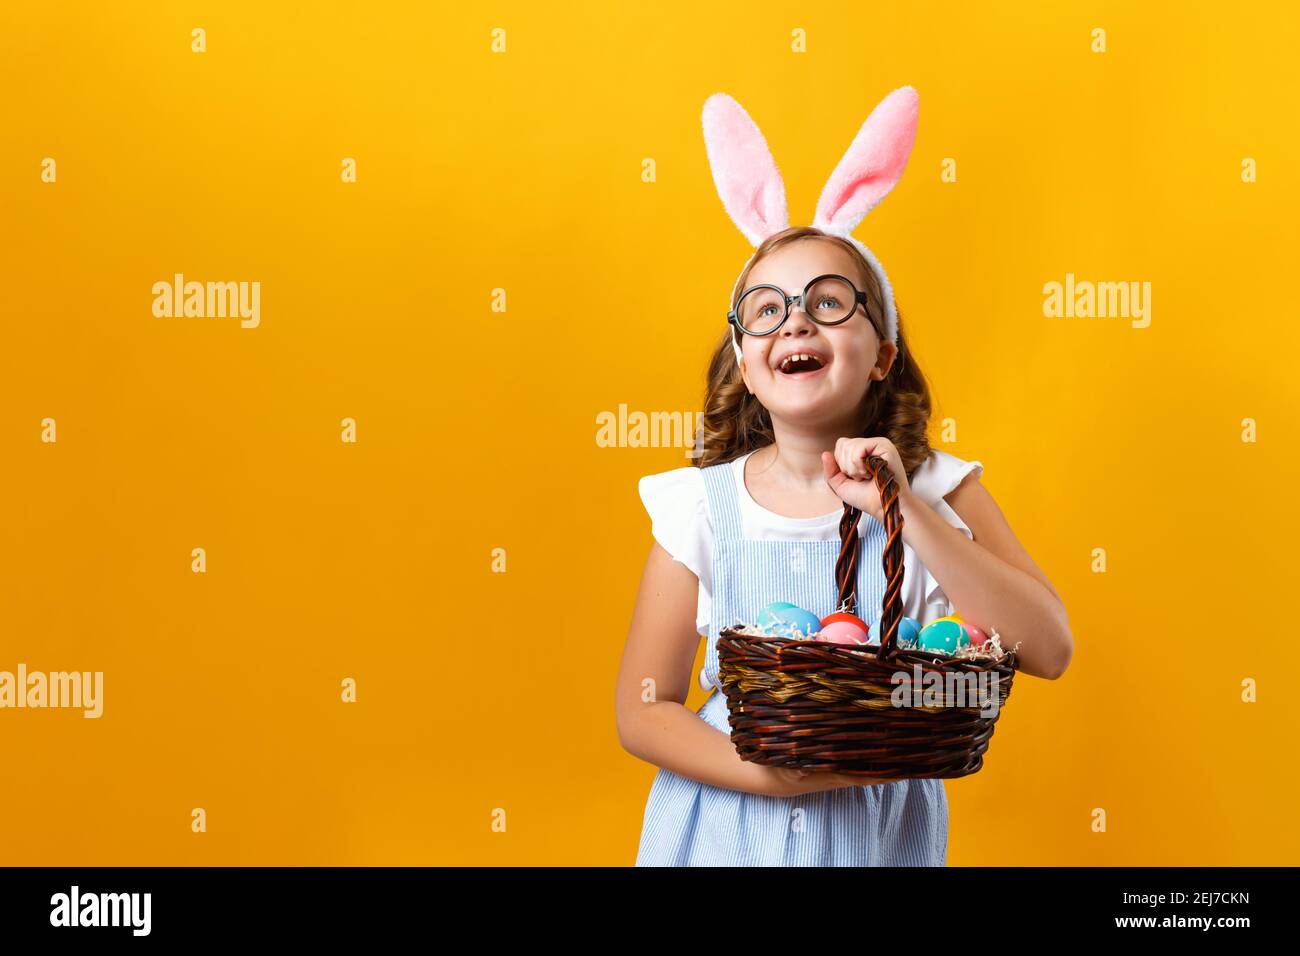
{"points": [[944, 636], [767, 617]]}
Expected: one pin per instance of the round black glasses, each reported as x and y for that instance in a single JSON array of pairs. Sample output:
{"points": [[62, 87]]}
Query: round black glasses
{"points": [[827, 300]]}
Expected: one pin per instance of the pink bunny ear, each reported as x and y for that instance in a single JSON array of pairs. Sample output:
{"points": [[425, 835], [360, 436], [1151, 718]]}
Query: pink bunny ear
{"points": [[748, 182], [873, 164]]}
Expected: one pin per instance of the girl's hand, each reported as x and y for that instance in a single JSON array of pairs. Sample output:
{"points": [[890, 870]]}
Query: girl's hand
{"points": [[848, 476], [795, 783]]}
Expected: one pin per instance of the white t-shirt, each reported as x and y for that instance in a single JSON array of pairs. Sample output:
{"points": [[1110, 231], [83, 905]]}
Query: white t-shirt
{"points": [[679, 514]]}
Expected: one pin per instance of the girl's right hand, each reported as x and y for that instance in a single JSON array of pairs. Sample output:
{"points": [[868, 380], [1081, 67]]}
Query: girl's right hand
{"points": [[794, 783]]}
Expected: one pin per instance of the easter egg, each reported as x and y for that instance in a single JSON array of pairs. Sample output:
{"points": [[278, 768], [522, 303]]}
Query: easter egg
{"points": [[908, 628], [944, 636], [977, 637], [842, 632], [767, 616], [850, 618], [791, 621]]}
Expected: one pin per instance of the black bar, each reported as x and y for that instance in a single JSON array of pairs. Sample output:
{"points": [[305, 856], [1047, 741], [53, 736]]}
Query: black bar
{"points": [[943, 905]]}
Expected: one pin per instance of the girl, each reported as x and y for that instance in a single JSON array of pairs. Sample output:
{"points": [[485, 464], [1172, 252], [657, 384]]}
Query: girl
{"points": [[817, 379]]}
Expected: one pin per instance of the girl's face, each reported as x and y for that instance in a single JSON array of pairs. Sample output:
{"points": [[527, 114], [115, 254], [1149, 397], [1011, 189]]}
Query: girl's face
{"points": [[851, 355]]}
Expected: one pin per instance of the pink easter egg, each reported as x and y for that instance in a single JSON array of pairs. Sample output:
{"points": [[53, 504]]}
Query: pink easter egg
{"points": [[977, 637], [842, 632]]}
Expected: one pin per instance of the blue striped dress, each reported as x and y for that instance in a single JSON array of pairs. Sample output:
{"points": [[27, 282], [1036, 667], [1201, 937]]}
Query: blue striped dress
{"points": [[689, 823]]}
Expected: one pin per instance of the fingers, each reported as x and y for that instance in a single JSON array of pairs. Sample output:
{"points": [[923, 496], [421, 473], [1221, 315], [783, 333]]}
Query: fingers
{"points": [[844, 456], [834, 476], [829, 465], [852, 455], [837, 481]]}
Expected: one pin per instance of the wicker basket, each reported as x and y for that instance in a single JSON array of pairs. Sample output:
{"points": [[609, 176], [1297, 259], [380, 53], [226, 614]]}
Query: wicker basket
{"points": [[815, 705]]}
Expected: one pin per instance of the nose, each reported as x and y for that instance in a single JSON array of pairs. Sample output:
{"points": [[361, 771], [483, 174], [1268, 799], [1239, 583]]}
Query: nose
{"points": [[798, 319]]}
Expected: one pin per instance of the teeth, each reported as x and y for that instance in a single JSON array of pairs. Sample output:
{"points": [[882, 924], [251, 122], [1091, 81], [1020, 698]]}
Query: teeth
{"points": [[785, 362]]}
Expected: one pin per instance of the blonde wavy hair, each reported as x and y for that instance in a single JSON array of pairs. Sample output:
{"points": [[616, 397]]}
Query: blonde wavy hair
{"points": [[734, 422]]}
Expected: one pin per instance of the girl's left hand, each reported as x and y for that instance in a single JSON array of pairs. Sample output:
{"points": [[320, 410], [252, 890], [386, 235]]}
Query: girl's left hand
{"points": [[848, 475]]}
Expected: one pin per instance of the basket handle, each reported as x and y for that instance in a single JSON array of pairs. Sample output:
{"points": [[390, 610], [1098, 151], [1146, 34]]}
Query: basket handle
{"points": [[846, 566]]}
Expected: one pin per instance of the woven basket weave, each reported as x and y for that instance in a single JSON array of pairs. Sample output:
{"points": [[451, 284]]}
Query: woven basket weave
{"points": [[814, 705]]}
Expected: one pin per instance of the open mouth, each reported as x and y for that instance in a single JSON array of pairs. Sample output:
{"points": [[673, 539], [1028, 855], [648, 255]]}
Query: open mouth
{"points": [[803, 363]]}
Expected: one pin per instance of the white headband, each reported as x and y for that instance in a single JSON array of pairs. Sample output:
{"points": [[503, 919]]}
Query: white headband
{"points": [[753, 192]]}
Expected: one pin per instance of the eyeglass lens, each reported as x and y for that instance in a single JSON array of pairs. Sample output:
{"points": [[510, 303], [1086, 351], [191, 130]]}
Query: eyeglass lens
{"points": [[828, 300]]}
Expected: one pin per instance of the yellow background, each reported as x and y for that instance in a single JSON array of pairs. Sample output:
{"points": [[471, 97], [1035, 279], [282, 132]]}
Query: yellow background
{"points": [[477, 429]]}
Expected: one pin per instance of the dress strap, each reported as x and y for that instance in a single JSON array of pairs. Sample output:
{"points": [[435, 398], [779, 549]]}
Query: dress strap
{"points": [[724, 510]]}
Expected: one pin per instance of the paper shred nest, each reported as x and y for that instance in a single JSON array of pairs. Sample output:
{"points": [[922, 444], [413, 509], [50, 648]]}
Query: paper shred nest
{"points": [[992, 649]]}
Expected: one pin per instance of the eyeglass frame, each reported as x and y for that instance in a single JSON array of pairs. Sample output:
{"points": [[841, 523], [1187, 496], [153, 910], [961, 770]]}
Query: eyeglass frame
{"points": [[860, 299]]}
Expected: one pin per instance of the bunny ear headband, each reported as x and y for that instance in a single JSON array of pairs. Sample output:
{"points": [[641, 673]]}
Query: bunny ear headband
{"points": [[753, 192]]}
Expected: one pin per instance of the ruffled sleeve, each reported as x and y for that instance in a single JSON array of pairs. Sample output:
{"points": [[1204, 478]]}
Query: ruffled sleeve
{"points": [[679, 520], [938, 475]]}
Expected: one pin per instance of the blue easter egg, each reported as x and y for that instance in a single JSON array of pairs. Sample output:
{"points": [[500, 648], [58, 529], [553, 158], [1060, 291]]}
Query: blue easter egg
{"points": [[788, 620], [944, 636], [767, 617], [908, 629]]}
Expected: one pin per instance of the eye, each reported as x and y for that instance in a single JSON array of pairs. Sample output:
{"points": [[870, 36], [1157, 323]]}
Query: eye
{"points": [[828, 298], [763, 310]]}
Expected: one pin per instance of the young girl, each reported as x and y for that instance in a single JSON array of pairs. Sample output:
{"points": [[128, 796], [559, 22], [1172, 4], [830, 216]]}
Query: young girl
{"points": [[817, 379]]}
